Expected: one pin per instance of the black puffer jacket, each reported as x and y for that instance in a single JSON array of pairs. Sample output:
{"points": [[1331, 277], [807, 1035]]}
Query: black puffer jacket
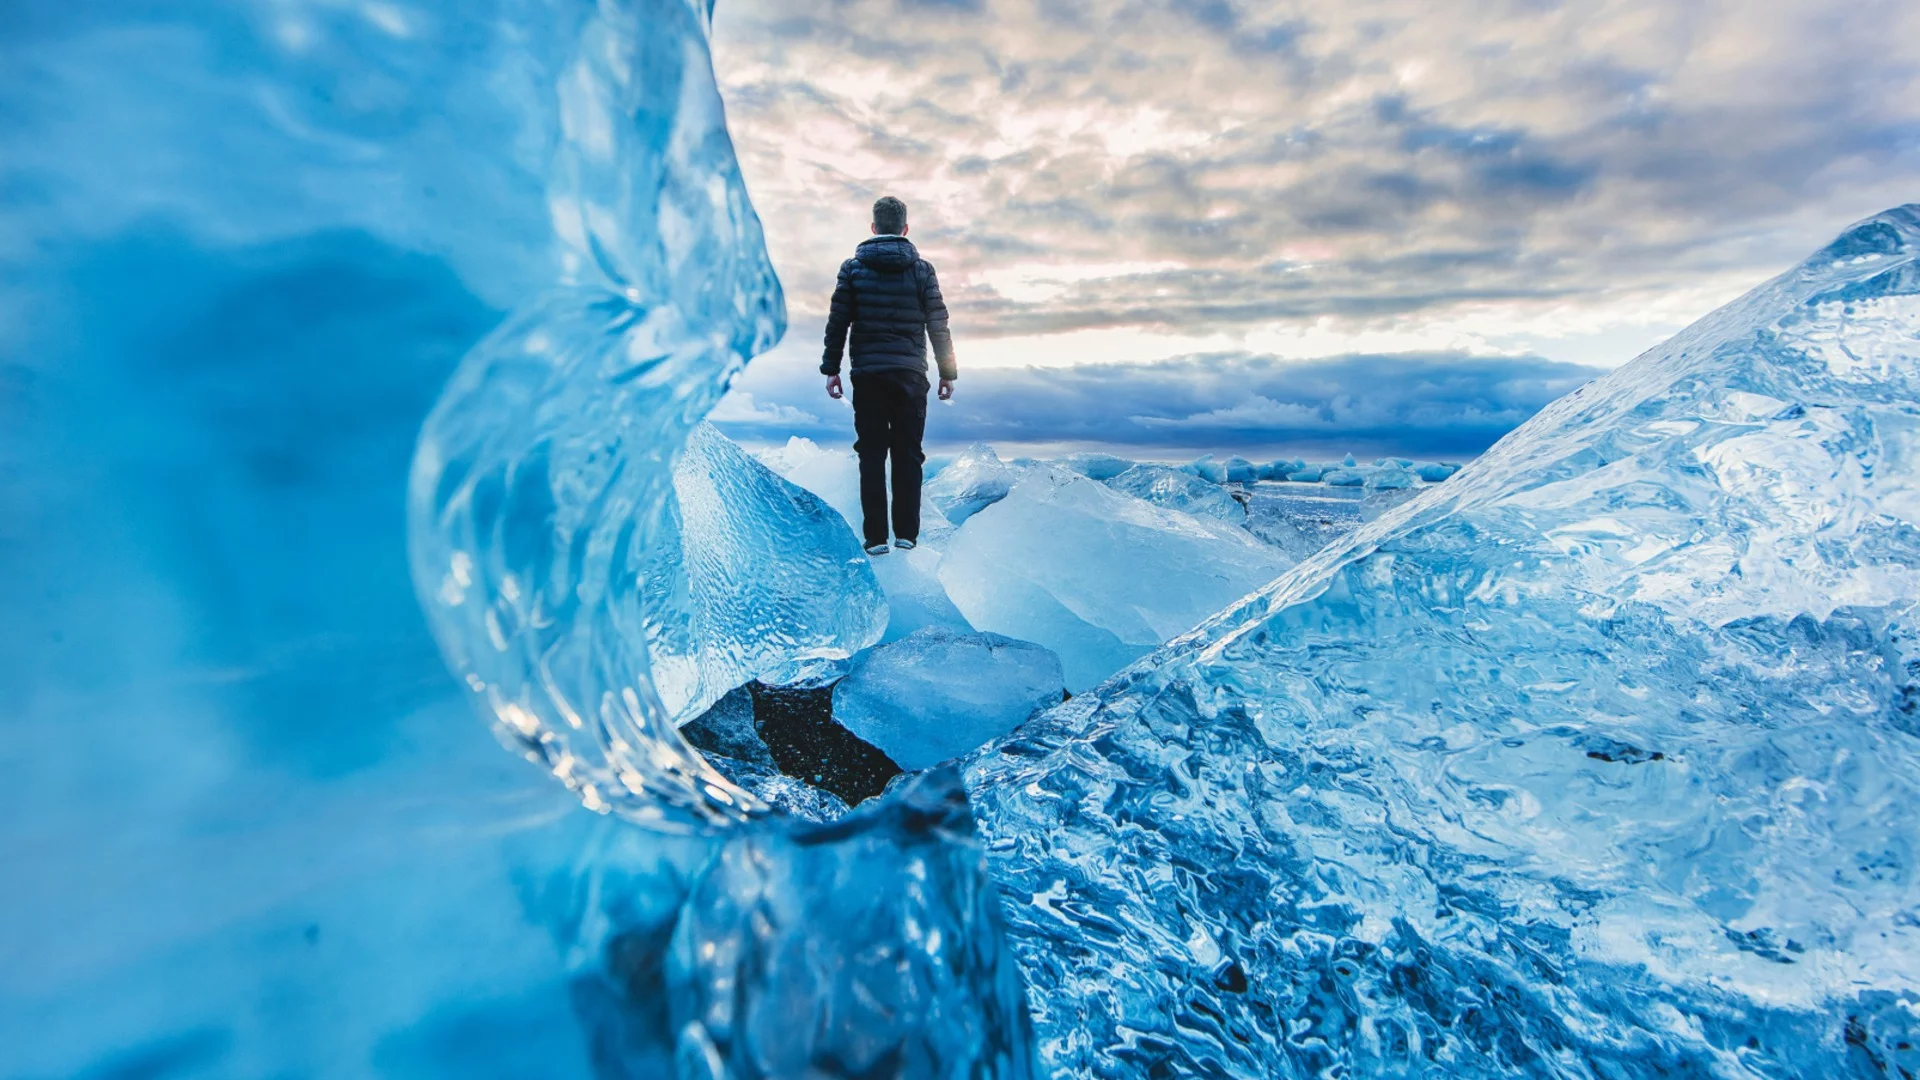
{"points": [[888, 294]]}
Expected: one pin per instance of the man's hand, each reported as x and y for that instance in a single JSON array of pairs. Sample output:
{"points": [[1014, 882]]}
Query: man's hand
{"points": [[946, 389], [833, 387]]}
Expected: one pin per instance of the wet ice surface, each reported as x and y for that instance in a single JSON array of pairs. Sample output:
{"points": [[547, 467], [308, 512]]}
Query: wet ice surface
{"points": [[937, 694], [1597, 760], [1098, 576]]}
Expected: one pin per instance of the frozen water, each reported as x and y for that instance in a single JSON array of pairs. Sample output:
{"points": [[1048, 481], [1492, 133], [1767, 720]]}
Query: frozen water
{"points": [[258, 832], [1433, 472], [1206, 468], [1300, 519], [869, 947], [253, 829], [726, 730], [1241, 471], [1597, 760], [1392, 476], [975, 480], [1097, 576], [759, 577], [1097, 466], [1179, 490], [914, 596], [937, 694]]}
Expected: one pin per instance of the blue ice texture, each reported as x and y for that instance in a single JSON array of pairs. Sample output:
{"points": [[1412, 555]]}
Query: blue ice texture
{"points": [[275, 253], [1096, 575], [975, 479], [1097, 466], [1180, 490], [1600, 759], [936, 694]]}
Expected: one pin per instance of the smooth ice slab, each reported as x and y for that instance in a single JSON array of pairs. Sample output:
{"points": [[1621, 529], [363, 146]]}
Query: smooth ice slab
{"points": [[1097, 576], [1177, 489], [1598, 759], [973, 481], [937, 694]]}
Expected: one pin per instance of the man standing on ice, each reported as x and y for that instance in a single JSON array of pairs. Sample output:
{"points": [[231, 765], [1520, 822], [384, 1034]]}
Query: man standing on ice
{"points": [[889, 297]]}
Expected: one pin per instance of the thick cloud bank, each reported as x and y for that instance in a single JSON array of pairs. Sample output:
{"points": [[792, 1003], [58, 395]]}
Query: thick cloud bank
{"points": [[1415, 405]]}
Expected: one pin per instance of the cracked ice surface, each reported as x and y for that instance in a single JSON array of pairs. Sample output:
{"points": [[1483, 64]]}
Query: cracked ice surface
{"points": [[1600, 759]]}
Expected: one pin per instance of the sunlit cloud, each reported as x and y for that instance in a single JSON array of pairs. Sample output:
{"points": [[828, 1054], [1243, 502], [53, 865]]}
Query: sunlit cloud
{"points": [[1129, 182]]}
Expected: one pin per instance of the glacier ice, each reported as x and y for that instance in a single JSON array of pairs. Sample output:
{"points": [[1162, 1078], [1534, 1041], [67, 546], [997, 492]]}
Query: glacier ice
{"points": [[1596, 760], [1098, 576], [265, 837], [868, 947], [1095, 466], [1206, 468], [757, 577], [909, 579], [1179, 490], [973, 481], [1300, 519], [936, 694]]}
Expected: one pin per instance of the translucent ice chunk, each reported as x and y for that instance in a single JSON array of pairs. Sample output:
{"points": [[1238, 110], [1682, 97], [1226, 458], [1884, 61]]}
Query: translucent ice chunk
{"points": [[1613, 729], [937, 694], [1179, 490], [870, 947], [772, 578], [1208, 469], [1392, 476], [914, 595], [975, 480], [1239, 470], [1434, 471], [1097, 466], [1097, 576]]}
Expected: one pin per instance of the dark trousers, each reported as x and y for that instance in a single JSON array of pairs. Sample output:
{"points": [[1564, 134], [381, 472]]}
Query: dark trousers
{"points": [[889, 418]]}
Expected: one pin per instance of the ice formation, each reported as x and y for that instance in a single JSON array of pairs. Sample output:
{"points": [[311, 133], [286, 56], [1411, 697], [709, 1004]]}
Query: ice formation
{"points": [[266, 836], [1097, 466], [756, 578], [909, 579], [1300, 519], [936, 694], [1097, 576], [1177, 489], [1599, 759], [973, 481]]}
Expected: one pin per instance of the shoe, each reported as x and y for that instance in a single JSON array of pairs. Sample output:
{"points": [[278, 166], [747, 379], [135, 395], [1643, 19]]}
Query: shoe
{"points": [[877, 550], [905, 545]]}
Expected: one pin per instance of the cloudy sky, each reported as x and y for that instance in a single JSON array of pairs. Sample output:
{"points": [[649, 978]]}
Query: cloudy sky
{"points": [[1208, 225]]}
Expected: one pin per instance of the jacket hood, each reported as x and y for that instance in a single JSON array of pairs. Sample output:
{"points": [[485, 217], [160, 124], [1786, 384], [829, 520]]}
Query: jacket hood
{"points": [[891, 254]]}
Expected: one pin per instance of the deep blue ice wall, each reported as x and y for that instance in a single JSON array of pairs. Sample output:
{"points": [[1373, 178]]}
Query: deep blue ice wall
{"points": [[249, 828]]}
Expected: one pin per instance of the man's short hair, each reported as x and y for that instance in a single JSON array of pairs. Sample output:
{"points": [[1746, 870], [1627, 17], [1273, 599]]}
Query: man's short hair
{"points": [[889, 215]]}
